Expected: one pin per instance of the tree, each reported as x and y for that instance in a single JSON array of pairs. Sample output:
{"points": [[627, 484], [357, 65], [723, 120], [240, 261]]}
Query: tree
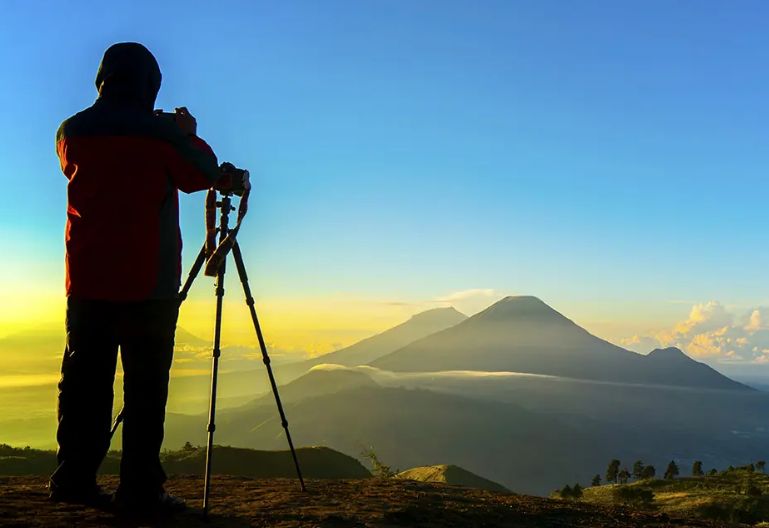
{"points": [[576, 491], [623, 476], [713, 472], [638, 469], [697, 469], [380, 470], [612, 471], [649, 472], [188, 447], [566, 492], [596, 480], [760, 465], [672, 471]]}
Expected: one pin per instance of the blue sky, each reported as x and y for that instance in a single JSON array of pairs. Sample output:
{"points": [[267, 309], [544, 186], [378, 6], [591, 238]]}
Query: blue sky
{"points": [[609, 157]]}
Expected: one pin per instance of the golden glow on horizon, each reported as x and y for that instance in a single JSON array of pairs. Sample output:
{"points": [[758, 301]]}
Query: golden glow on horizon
{"points": [[310, 326]]}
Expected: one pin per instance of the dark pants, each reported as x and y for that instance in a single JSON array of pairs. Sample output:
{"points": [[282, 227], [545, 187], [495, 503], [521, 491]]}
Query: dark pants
{"points": [[144, 331]]}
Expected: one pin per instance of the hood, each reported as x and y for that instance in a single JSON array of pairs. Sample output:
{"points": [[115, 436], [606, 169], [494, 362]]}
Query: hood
{"points": [[129, 74]]}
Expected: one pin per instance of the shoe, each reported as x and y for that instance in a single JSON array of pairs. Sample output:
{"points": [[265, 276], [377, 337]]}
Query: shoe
{"points": [[161, 503], [93, 496]]}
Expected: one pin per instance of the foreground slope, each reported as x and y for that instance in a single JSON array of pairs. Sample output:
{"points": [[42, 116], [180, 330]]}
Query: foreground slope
{"points": [[523, 334], [239, 503]]}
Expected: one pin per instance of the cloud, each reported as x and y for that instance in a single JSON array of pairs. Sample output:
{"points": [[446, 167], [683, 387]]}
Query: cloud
{"points": [[756, 322], [471, 300], [640, 343], [465, 295], [715, 333]]}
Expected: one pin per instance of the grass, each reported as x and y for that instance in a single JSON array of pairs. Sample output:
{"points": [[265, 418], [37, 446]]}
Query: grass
{"points": [[735, 495]]}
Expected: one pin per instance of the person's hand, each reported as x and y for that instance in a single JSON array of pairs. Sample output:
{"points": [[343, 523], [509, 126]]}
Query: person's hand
{"points": [[186, 121]]}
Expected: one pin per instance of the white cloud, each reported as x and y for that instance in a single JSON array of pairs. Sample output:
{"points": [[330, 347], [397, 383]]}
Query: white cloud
{"points": [[465, 295], [469, 301], [756, 322], [713, 332]]}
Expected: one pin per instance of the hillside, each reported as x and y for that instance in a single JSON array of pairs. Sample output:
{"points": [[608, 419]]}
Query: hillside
{"points": [[450, 474], [409, 428], [523, 334], [316, 462], [317, 382], [736, 494], [239, 503]]}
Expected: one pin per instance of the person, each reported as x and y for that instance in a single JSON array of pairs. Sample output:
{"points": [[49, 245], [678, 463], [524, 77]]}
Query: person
{"points": [[125, 164]]}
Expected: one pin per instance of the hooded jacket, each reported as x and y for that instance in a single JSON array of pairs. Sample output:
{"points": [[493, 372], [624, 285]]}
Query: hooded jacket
{"points": [[125, 166]]}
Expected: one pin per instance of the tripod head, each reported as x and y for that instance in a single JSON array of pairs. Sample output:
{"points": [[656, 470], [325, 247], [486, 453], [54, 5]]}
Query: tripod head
{"points": [[232, 180], [236, 182]]}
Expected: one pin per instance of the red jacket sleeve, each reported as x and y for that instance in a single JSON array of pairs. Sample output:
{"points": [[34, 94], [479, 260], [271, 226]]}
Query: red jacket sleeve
{"points": [[193, 167]]}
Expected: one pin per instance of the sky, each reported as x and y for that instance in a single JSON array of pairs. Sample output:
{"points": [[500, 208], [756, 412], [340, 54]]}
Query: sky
{"points": [[607, 157]]}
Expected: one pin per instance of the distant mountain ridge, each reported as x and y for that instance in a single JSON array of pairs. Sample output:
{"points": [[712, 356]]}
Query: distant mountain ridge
{"points": [[523, 334], [367, 350]]}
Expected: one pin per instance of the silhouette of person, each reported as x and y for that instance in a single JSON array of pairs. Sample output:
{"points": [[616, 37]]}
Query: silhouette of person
{"points": [[125, 165]]}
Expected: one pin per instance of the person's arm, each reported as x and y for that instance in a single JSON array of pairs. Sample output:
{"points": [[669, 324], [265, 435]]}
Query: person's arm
{"points": [[191, 162]]}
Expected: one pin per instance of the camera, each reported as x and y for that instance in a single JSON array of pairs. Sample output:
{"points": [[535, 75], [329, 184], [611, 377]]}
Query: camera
{"points": [[165, 115], [232, 180]]}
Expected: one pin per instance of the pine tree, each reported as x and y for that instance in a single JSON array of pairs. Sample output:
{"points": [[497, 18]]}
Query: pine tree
{"points": [[596, 480], [638, 469], [760, 465], [576, 491], [612, 471], [623, 476], [697, 469], [566, 492], [672, 471], [648, 473]]}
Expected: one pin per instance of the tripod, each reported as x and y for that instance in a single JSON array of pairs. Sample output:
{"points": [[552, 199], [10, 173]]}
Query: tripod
{"points": [[225, 207]]}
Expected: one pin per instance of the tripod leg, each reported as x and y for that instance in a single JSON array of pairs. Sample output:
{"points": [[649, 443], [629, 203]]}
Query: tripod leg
{"points": [[201, 258], [265, 358], [214, 375]]}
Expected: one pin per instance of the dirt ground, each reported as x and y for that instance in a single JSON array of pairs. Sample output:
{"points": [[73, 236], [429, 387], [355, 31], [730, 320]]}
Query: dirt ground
{"points": [[243, 502]]}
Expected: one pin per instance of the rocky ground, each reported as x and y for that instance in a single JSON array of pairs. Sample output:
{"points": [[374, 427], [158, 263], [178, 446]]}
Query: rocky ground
{"points": [[242, 502]]}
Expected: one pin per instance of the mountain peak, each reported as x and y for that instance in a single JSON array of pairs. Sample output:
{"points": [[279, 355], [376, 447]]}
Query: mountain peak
{"points": [[520, 307], [438, 314], [669, 354]]}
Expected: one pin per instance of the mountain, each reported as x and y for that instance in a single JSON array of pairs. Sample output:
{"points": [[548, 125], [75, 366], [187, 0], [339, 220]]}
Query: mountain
{"points": [[315, 462], [411, 427], [318, 382], [528, 433], [523, 334], [185, 337], [369, 349], [450, 474]]}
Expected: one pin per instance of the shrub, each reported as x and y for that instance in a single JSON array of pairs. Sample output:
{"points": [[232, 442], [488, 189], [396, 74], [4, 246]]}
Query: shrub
{"points": [[378, 468], [633, 495], [747, 511]]}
